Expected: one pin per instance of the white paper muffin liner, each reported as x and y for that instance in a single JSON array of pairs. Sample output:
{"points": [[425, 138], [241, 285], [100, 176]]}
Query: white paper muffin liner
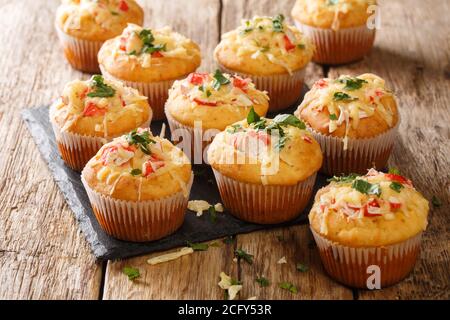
{"points": [[361, 154], [81, 54], [77, 149], [339, 46], [349, 265], [156, 92], [264, 204], [284, 90], [139, 221]]}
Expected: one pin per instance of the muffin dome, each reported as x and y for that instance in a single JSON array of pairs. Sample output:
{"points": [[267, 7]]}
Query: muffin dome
{"points": [[377, 209], [145, 55], [338, 14], [99, 108], [247, 150], [97, 20], [350, 107], [216, 99], [138, 167], [264, 46]]}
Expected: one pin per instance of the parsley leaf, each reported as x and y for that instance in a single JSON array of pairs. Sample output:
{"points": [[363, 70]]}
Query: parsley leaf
{"points": [[212, 214], [197, 246], [101, 89], [229, 240], [147, 39], [136, 172], [131, 273], [242, 254], [341, 96], [287, 120], [142, 140], [394, 171], [333, 116], [234, 128], [366, 187], [288, 286], [396, 186], [277, 23], [344, 179], [263, 282], [252, 116], [301, 46], [352, 83], [301, 267], [437, 203], [219, 80]]}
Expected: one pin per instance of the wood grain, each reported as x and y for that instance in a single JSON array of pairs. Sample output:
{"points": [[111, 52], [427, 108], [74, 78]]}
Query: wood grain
{"points": [[43, 255], [413, 56]]}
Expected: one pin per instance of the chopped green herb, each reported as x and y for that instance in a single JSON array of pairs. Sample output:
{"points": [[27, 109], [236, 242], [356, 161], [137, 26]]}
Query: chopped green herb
{"points": [[101, 89], [288, 286], [252, 116], [301, 267], [264, 49], [281, 142], [212, 214], [234, 128], [280, 238], [301, 46], [394, 171], [131, 273], [136, 172], [437, 203], [263, 282], [197, 246], [366, 187], [147, 39], [261, 28], [132, 53], [246, 30], [344, 179], [287, 120], [114, 13], [215, 244], [235, 282], [142, 140], [396, 186], [219, 80], [352, 83], [277, 23], [229, 240], [333, 116], [241, 254], [341, 96]]}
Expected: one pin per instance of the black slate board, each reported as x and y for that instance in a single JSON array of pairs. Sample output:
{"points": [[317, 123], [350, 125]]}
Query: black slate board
{"points": [[194, 229]]}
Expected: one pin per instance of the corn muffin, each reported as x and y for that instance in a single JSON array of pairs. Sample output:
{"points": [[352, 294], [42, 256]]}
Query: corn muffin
{"points": [[270, 52], [355, 120], [90, 113], [265, 168], [360, 221], [149, 60], [210, 102], [83, 26], [343, 31], [138, 186]]}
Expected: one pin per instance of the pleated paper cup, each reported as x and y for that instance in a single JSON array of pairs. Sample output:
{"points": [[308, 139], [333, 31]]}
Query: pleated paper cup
{"points": [[77, 149], [138, 221], [81, 54], [264, 204], [339, 46], [284, 90], [353, 266], [361, 154], [157, 92]]}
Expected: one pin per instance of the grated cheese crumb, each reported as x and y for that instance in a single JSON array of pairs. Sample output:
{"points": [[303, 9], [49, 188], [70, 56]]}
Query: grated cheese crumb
{"points": [[170, 256], [218, 207], [198, 206], [282, 260]]}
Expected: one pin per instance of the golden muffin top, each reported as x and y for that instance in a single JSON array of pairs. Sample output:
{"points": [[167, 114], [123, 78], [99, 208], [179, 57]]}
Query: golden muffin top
{"points": [[99, 107], [333, 14], [264, 46], [373, 210], [145, 55], [350, 107], [217, 99], [265, 151], [97, 20], [138, 166]]}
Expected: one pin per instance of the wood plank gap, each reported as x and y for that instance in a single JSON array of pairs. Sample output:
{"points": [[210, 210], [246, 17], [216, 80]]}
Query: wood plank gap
{"points": [[102, 280], [219, 21]]}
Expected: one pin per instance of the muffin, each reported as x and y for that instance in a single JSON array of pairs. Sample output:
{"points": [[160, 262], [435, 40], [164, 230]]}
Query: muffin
{"points": [[84, 25], [150, 61], [213, 101], [339, 29], [93, 112], [270, 52], [265, 168], [138, 186], [355, 120], [371, 220]]}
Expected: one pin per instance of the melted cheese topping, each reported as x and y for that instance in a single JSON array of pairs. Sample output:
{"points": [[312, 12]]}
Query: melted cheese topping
{"points": [[349, 99], [170, 44], [199, 89], [76, 104], [341, 198], [265, 37]]}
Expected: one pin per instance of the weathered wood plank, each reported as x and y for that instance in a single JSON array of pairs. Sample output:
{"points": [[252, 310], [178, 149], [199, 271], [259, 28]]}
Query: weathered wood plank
{"points": [[412, 55], [42, 253]]}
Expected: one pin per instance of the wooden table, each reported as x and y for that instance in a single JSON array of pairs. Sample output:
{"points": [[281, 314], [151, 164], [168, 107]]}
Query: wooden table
{"points": [[43, 254]]}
